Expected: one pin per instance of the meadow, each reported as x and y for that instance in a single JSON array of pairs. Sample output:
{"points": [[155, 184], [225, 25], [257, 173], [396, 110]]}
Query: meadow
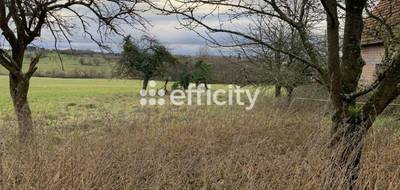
{"points": [[93, 134], [75, 66]]}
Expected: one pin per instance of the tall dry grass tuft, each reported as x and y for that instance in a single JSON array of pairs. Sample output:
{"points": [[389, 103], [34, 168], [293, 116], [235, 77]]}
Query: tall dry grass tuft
{"points": [[270, 147]]}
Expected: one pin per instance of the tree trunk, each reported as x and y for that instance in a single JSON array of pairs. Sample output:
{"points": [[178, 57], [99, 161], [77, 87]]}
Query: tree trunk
{"points": [[166, 86], [206, 85], [278, 87], [145, 83], [289, 94], [19, 87], [345, 161], [334, 71], [278, 90]]}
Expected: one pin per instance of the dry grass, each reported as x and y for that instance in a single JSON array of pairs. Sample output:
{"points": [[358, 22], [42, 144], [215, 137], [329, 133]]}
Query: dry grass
{"points": [[194, 148]]}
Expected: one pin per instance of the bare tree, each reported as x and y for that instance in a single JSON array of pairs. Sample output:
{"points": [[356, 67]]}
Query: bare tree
{"points": [[282, 70], [23, 21], [339, 72]]}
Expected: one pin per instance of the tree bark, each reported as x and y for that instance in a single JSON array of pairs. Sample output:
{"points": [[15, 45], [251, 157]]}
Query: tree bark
{"points": [[334, 71], [345, 161], [19, 87], [352, 62], [347, 142], [348, 127]]}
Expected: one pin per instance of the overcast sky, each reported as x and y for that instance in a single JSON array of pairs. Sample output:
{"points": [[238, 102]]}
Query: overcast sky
{"points": [[180, 41], [164, 28]]}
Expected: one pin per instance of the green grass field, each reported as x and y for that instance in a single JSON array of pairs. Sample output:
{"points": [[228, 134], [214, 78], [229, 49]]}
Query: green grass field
{"points": [[60, 102], [50, 65], [64, 100], [48, 91]]}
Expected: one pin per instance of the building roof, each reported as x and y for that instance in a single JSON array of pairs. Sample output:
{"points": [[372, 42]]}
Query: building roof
{"points": [[388, 10]]}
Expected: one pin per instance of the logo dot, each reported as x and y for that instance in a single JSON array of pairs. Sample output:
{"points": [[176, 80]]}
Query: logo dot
{"points": [[161, 102], [143, 102], [152, 92], [143, 93], [161, 92], [152, 101], [152, 83]]}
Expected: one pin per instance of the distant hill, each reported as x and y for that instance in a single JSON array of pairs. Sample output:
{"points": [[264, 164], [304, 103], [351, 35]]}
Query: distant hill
{"points": [[71, 63], [91, 64]]}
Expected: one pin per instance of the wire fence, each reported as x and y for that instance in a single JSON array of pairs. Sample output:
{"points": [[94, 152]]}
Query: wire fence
{"points": [[327, 100]]}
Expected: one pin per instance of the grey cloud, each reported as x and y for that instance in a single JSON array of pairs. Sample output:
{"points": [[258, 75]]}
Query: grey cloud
{"points": [[164, 28]]}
